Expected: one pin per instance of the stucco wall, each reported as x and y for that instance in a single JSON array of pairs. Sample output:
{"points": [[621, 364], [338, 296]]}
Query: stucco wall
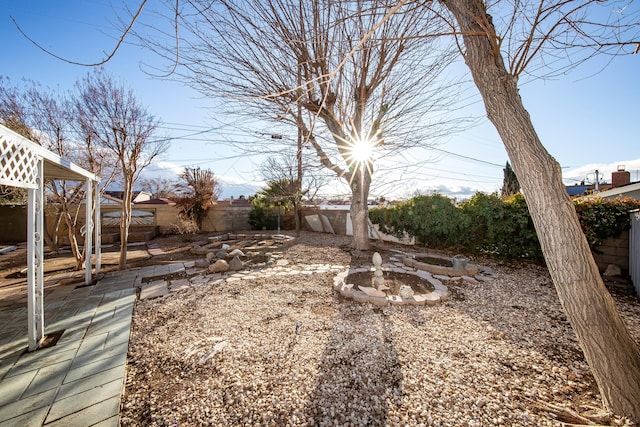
{"points": [[227, 218]]}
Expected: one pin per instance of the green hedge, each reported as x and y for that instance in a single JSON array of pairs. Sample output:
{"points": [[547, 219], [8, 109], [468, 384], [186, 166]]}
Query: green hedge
{"points": [[489, 224]]}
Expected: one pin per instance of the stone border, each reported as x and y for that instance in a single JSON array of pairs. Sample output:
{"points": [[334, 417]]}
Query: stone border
{"points": [[410, 261], [231, 236], [440, 293]]}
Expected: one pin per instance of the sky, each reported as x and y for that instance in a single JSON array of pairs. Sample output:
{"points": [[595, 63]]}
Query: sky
{"points": [[587, 120]]}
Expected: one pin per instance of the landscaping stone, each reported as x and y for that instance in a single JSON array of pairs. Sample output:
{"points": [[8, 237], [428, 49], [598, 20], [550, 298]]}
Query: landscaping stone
{"points": [[220, 266], [235, 264]]}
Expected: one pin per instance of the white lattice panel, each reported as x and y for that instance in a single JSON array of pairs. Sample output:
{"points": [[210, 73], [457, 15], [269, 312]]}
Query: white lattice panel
{"points": [[18, 165]]}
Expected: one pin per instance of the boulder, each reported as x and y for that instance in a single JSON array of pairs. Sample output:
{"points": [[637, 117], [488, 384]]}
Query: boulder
{"points": [[235, 264], [201, 263], [236, 252], [219, 266], [612, 270]]}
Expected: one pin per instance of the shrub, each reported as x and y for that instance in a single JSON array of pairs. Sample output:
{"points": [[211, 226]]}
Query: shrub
{"points": [[433, 220], [501, 226], [489, 224], [602, 218]]}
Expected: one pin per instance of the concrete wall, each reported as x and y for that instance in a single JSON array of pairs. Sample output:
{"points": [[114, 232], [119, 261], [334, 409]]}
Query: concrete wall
{"points": [[613, 251], [337, 218], [227, 218], [13, 224]]}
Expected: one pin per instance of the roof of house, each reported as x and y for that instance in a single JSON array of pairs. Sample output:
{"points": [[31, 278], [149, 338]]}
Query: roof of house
{"points": [[158, 201], [620, 191], [577, 190], [120, 194]]}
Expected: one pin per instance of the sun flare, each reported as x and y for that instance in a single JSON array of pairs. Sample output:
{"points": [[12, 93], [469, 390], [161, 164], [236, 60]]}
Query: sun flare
{"points": [[361, 151]]}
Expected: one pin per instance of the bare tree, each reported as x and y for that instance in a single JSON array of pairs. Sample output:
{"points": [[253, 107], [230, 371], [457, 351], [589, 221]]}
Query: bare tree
{"points": [[47, 117], [308, 65], [124, 127], [198, 189], [13, 115], [549, 37], [160, 188]]}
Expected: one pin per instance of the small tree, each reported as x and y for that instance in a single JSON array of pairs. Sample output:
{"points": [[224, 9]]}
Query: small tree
{"points": [[124, 127], [510, 184], [269, 203], [198, 189]]}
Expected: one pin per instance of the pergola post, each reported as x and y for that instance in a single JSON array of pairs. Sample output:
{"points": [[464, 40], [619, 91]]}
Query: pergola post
{"points": [[97, 226], [88, 235], [35, 269]]}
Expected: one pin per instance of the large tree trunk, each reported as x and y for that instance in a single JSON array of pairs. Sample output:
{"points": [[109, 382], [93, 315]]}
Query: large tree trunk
{"points": [[609, 349], [359, 210]]}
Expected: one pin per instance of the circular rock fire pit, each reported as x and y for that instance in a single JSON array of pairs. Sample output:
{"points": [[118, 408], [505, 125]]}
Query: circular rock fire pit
{"points": [[420, 288]]}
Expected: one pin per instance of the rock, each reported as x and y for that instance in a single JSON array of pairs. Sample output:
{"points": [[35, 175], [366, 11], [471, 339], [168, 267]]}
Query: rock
{"points": [[345, 290], [224, 247], [359, 296], [406, 291], [236, 252], [221, 254], [612, 270], [201, 263], [219, 266], [235, 264], [211, 255], [397, 300], [379, 301]]}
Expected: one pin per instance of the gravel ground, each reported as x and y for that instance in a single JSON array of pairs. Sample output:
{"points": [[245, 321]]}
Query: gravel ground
{"points": [[287, 350]]}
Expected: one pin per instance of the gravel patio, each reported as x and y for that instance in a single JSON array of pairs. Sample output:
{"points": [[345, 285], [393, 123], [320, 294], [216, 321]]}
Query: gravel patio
{"points": [[280, 347]]}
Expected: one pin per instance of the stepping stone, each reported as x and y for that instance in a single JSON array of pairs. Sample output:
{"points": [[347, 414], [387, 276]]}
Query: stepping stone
{"points": [[443, 292], [180, 284], [359, 296], [7, 249], [154, 290], [397, 300], [379, 301], [372, 292], [431, 298], [470, 279], [155, 250]]}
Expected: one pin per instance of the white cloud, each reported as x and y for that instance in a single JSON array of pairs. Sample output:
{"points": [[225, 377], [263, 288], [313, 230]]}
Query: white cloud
{"points": [[586, 173]]}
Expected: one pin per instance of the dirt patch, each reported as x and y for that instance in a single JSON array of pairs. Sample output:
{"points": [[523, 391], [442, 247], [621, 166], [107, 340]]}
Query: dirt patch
{"points": [[393, 280]]}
